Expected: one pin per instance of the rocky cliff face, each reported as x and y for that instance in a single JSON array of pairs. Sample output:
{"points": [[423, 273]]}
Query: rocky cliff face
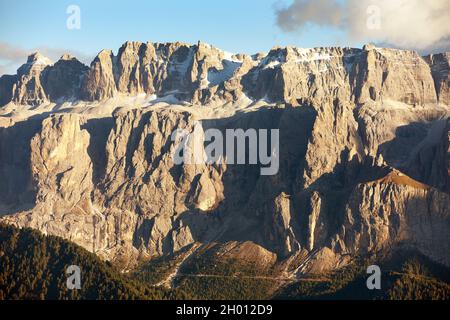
{"points": [[38, 81], [204, 74], [395, 209], [363, 159], [64, 79], [440, 70], [29, 88]]}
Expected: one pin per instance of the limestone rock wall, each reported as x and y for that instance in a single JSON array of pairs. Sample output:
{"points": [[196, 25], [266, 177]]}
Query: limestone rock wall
{"points": [[204, 74], [363, 162]]}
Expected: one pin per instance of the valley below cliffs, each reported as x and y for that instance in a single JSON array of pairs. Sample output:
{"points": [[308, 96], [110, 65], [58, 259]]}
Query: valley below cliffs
{"points": [[364, 157]]}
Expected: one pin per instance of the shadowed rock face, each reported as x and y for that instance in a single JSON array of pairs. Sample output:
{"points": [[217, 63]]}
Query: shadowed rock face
{"points": [[6, 88], [64, 79], [440, 71], [364, 154]]}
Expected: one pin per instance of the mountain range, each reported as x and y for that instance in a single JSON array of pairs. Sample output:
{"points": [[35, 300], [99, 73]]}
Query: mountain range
{"points": [[85, 154]]}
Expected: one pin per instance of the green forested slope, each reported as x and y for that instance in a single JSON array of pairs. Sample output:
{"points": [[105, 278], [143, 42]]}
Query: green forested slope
{"points": [[32, 266], [410, 276]]}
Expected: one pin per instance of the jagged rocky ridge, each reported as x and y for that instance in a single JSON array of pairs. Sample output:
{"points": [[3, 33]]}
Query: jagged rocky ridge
{"points": [[364, 158], [202, 74]]}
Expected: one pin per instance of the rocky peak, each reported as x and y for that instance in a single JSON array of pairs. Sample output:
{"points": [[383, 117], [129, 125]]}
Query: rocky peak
{"points": [[99, 82], [368, 47], [28, 89], [64, 78], [67, 56], [36, 62], [37, 58], [204, 74]]}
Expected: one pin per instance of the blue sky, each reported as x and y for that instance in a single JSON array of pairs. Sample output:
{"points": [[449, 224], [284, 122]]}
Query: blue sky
{"points": [[239, 26], [247, 26]]}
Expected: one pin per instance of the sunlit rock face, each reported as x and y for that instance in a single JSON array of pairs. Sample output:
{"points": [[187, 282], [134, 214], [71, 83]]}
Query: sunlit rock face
{"points": [[204, 74], [364, 153]]}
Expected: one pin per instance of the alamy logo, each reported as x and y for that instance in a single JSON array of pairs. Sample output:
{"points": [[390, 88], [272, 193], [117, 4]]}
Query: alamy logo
{"points": [[74, 277], [373, 21], [74, 19], [374, 281], [236, 146]]}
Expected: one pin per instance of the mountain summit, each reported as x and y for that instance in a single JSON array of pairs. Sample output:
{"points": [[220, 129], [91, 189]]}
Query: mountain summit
{"points": [[204, 74]]}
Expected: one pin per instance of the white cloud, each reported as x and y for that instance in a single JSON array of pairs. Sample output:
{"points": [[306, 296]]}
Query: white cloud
{"points": [[410, 24]]}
